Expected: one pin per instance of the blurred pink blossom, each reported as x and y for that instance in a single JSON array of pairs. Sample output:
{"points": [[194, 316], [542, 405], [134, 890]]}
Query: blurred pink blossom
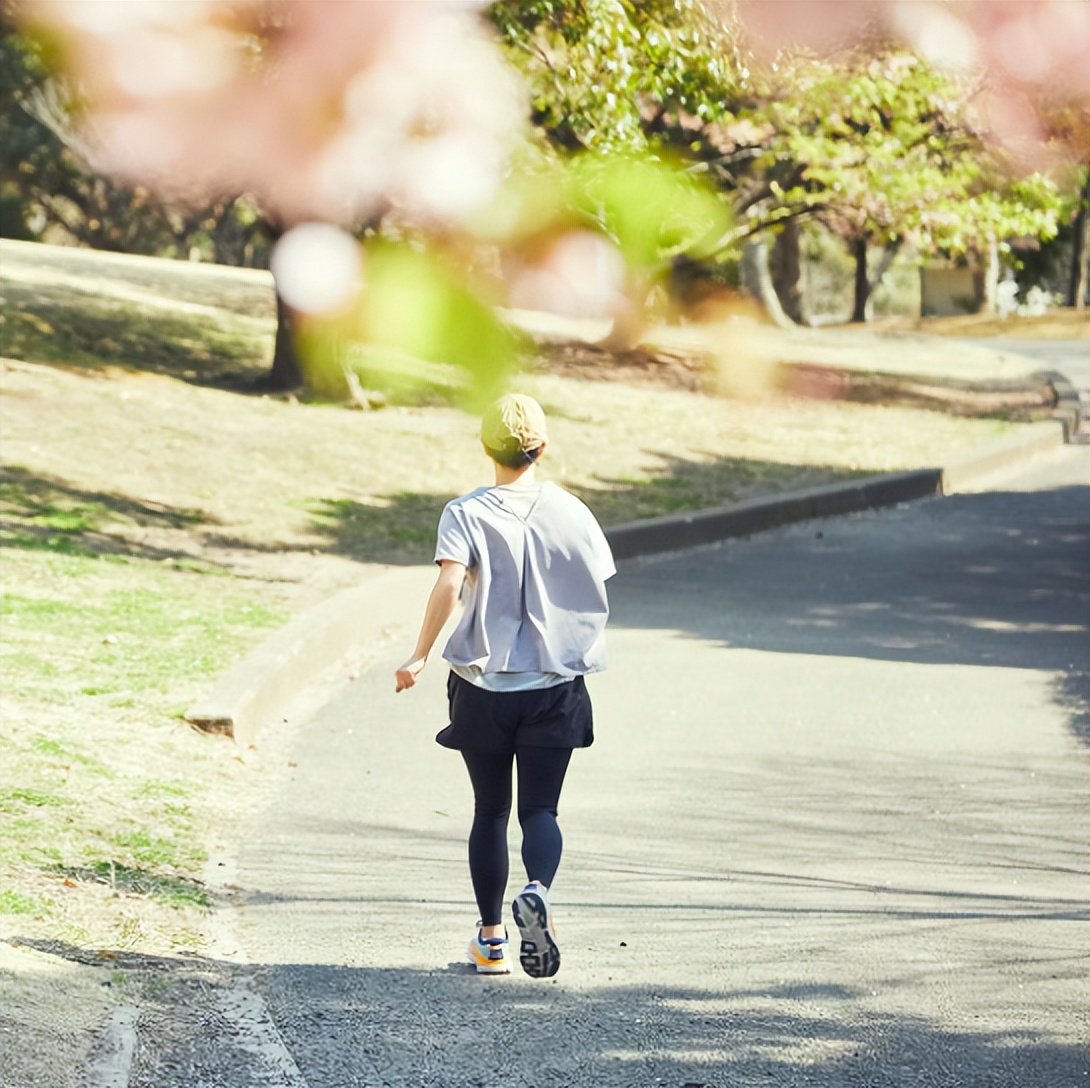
{"points": [[340, 109], [581, 274], [322, 109]]}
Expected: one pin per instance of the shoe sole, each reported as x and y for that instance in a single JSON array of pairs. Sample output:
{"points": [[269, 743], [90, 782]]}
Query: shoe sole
{"points": [[491, 969], [538, 954]]}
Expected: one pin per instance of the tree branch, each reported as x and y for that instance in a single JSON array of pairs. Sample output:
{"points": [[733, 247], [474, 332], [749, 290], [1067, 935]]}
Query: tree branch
{"points": [[51, 105]]}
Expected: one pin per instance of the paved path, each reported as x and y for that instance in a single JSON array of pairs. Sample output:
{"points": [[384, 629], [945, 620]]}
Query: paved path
{"points": [[833, 834], [1070, 357]]}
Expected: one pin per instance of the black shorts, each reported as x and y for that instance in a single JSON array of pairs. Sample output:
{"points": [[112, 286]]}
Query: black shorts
{"points": [[501, 721]]}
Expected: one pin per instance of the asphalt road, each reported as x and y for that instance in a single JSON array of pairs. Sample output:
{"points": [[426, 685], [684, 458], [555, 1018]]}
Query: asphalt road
{"points": [[1070, 357], [833, 833]]}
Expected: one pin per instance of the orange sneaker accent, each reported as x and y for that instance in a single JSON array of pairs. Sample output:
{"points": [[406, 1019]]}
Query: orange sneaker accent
{"points": [[489, 955]]}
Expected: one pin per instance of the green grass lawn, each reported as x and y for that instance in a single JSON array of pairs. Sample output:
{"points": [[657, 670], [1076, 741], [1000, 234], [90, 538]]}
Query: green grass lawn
{"points": [[108, 799], [157, 523]]}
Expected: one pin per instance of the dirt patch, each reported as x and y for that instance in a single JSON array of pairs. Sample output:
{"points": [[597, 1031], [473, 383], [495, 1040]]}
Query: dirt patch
{"points": [[697, 372], [1023, 401], [692, 372], [1058, 324]]}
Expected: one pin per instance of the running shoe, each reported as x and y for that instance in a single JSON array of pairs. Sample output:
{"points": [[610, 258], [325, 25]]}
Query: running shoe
{"points": [[538, 953], [489, 955]]}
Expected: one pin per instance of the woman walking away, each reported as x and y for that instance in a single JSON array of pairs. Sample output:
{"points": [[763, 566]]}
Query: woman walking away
{"points": [[531, 563]]}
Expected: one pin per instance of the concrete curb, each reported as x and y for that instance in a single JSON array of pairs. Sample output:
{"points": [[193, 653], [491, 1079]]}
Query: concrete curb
{"points": [[1032, 439], [758, 515], [1069, 407], [256, 691]]}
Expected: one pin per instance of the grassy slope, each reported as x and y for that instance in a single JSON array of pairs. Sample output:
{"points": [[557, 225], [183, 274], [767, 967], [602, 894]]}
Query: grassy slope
{"points": [[157, 524]]}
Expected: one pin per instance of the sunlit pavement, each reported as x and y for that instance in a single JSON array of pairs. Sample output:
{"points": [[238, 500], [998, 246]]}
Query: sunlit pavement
{"points": [[833, 831], [1070, 357]]}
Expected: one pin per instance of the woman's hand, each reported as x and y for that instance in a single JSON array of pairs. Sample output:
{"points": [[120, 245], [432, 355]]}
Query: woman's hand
{"points": [[441, 602], [407, 674]]}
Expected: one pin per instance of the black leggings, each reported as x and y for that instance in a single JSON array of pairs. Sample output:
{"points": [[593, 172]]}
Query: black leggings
{"points": [[540, 778]]}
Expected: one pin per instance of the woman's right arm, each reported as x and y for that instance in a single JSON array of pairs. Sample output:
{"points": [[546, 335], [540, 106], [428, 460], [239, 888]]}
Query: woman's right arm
{"points": [[441, 602]]}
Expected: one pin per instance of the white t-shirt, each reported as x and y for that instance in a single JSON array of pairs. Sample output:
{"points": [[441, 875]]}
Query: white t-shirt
{"points": [[535, 594]]}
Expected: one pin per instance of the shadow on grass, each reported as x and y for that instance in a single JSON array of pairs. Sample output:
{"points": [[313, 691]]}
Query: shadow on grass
{"points": [[684, 485], [80, 329], [173, 890], [39, 512], [42, 512], [208, 345], [400, 528], [201, 1019]]}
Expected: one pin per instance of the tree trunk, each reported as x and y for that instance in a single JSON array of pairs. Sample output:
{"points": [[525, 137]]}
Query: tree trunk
{"points": [[787, 271], [757, 280], [326, 374], [866, 285], [626, 327], [311, 359], [861, 292], [286, 374], [986, 278], [1080, 252]]}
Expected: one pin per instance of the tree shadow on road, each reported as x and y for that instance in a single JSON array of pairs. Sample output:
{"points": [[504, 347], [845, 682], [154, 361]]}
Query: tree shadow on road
{"points": [[995, 579], [205, 1021], [1071, 691]]}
